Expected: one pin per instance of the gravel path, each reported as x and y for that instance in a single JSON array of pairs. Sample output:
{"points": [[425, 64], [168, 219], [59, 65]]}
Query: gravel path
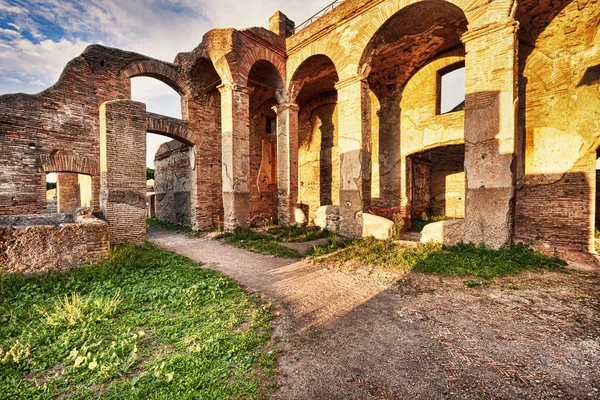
{"points": [[349, 335]]}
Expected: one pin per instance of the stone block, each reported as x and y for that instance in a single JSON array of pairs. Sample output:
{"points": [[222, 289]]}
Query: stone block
{"points": [[378, 227], [445, 232]]}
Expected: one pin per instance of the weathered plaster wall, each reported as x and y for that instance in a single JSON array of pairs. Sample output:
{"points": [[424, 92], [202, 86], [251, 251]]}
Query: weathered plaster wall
{"points": [[423, 128], [318, 157], [559, 122], [172, 183], [35, 244]]}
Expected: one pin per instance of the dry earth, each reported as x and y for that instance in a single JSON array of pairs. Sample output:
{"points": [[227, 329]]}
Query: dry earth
{"points": [[345, 335]]}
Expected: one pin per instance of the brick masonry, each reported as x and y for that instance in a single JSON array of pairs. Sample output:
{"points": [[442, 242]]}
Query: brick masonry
{"points": [[30, 244], [369, 70]]}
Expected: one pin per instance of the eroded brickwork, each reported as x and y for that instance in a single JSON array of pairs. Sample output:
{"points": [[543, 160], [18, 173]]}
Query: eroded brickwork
{"points": [[123, 170], [355, 96]]}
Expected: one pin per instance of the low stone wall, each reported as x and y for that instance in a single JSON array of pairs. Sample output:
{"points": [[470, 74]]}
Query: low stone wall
{"points": [[38, 243]]}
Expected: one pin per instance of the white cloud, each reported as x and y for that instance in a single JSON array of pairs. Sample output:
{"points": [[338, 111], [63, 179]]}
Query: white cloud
{"points": [[34, 56], [17, 27], [9, 33], [7, 8]]}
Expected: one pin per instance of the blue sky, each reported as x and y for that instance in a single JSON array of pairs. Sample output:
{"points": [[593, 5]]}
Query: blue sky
{"points": [[39, 37]]}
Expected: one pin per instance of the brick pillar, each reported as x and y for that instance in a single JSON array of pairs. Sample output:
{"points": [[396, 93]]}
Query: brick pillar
{"points": [[287, 161], [235, 114], [67, 192], [123, 170], [490, 133], [354, 129]]}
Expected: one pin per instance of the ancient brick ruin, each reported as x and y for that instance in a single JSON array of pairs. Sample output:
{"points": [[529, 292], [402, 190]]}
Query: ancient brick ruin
{"points": [[345, 111]]}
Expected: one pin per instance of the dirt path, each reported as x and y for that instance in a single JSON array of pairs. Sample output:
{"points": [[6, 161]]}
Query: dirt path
{"points": [[351, 336]]}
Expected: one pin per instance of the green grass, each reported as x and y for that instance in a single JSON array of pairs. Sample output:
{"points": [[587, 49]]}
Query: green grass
{"points": [[459, 260], [258, 243], [297, 233], [186, 230], [143, 324]]}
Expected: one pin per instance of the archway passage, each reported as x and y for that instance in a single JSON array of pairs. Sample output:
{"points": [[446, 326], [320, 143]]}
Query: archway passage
{"points": [[267, 92], [313, 88], [172, 183], [415, 36], [437, 183]]}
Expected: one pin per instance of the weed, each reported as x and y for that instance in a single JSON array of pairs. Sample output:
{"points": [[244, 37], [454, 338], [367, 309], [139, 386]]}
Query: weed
{"points": [[186, 230], [459, 260], [398, 225], [258, 243], [145, 323]]}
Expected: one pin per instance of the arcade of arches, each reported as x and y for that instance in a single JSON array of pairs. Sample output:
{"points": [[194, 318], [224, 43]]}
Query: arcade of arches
{"points": [[346, 112]]}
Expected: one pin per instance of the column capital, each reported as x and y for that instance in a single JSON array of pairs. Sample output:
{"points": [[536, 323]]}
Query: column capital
{"points": [[490, 29], [234, 87], [285, 106], [351, 81]]}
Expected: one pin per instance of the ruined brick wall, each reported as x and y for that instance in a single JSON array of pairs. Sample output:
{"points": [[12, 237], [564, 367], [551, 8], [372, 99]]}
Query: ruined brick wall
{"points": [[318, 157], [559, 125], [61, 122], [30, 244], [123, 170], [172, 183]]}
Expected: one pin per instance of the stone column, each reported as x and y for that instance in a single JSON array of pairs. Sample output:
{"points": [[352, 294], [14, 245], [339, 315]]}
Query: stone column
{"points": [[490, 133], [287, 162], [389, 151], [67, 192], [354, 128], [235, 114], [123, 170]]}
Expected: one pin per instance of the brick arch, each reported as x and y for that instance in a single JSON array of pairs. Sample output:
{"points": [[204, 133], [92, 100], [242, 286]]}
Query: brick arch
{"points": [[68, 163], [316, 102], [164, 72], [294, 90], [171, 127], [257, 54], [319, 48]]}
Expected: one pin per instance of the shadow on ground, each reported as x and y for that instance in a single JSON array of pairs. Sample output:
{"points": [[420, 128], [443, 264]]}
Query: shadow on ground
{"points": [[356, 336]]}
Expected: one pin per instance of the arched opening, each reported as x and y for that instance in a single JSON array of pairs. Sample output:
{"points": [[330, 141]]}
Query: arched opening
{"points": [[67, 191], [559, 110], [410, 84], [436, 181], [313, 89], [267, 86], [168, 196]]}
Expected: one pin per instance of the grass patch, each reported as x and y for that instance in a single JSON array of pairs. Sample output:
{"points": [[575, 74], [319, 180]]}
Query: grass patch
{"points": [[143, 324], [459, 260], [258, 243], [295, 234], [186, 230]]}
